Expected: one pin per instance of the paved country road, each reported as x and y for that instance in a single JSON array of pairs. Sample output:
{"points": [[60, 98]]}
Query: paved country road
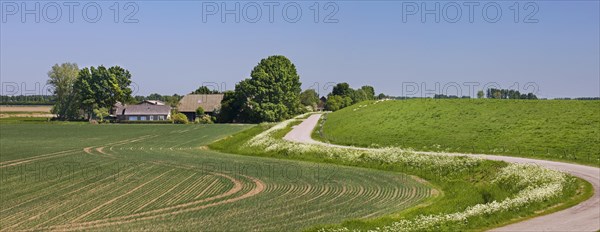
{"points": [[582, 217]]}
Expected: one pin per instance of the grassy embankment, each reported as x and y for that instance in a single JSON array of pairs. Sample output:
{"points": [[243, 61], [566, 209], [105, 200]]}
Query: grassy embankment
{"points": [[546, 129]]}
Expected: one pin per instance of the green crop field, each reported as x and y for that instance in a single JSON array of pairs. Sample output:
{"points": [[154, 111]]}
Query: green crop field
{"points": [[548, 129], [162, 177]]}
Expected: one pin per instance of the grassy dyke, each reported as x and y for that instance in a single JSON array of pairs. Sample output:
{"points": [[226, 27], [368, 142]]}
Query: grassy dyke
{"points": [[548, 129], [458, 190]]}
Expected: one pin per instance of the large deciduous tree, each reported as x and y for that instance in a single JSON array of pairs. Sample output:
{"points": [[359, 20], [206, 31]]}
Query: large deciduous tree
{"points": [[123, 77], [272, 92], [62, 78], [102, 88]]}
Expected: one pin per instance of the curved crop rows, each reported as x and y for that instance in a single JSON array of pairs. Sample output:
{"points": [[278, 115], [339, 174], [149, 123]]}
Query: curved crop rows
{"points": [[168, 180]]}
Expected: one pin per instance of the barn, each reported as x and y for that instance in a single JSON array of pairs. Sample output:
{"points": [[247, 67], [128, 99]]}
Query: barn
{"points": [[211, 103]]}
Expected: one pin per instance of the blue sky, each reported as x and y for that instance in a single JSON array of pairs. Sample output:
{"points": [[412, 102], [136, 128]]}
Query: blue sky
{"points": [[171, 49]]}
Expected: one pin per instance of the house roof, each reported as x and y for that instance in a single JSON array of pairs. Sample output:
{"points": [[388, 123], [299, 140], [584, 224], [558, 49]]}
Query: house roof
{"points": [[208, 102], [154, 102], [145, 109]]}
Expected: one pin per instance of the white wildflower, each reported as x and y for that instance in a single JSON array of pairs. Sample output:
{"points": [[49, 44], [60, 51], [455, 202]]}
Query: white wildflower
{"points": [[537, 183]]}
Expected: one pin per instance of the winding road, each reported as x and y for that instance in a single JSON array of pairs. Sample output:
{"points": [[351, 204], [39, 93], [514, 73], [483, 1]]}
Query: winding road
{"points": [[582, 217]]}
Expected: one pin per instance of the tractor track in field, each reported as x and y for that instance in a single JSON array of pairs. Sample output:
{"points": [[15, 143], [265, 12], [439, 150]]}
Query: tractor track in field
{"points": [[258, 187], [78, 224], [119, 197], [68, 194], [100, 149], [140, 216], [88, 150], [582, 217], [16, 162], [164, 193]]}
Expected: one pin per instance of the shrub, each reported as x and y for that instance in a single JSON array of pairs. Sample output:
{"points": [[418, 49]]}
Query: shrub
{"points": [[199, 111], [204, 119], [179, 118]]}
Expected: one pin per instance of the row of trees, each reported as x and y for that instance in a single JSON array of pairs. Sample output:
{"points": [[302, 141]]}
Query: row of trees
{"points": [[172, 100], [26, 100], [443, 96], [506, 94], [272, 93], [579, 98], [342, 96], [89, 91]]}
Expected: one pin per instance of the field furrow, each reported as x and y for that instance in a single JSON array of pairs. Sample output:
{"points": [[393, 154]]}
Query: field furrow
{"points": [[146, 178]]}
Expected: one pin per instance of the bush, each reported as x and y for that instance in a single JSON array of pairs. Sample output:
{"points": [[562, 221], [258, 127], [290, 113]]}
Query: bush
{"points": [[179, 118], [199, 111], [204, 119]]}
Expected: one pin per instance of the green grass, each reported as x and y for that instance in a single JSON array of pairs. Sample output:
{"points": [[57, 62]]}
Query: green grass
{"points": [[162, 177], [459, 190], [547, 129]]}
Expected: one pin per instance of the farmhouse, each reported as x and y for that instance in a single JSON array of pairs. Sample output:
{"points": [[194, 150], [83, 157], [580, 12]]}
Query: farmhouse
{"points": [[211, 103], [145, 111]]}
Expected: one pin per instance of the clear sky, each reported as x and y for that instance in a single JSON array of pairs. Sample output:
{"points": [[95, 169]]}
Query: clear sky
{"points": [[176, 46]]}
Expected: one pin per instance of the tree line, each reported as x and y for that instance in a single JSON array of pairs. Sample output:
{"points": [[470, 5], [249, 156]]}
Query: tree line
{"points": [[492, 93], [443, 96], [272, 93], [27, 100], [342, 96], [506, 94]]}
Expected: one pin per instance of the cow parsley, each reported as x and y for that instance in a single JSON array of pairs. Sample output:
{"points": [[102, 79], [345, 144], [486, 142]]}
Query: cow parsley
{"points": [[536, 183]]}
